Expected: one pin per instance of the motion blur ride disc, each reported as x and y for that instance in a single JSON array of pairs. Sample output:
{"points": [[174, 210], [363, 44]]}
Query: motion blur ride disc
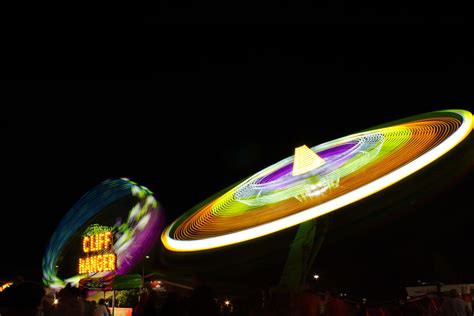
{"points": [[135, 220], [318, 180]]}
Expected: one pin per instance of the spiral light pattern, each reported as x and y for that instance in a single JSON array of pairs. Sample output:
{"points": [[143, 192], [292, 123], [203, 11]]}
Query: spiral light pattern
{"points": [[133, 237], [354, 167]]}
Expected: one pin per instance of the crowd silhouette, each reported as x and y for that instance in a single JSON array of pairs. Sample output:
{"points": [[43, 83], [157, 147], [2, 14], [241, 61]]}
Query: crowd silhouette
{"points": [[25, 298]]}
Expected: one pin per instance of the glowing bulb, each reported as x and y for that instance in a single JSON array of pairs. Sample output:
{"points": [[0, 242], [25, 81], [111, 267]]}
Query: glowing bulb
{"points": [[55, 302], [227, 302], [316, 276]]}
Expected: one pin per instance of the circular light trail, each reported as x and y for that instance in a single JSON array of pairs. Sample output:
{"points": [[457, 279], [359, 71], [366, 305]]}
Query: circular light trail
{"points": [[134, 237], [319, 180]]}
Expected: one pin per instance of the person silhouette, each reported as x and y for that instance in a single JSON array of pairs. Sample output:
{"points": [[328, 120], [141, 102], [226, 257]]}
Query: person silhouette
{"points": [[453, 305], [101, 309], [202, 300], [308, 302], [22, 299]]}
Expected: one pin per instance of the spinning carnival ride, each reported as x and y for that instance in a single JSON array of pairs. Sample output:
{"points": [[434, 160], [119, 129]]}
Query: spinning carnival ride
{"points": [[318, 180], [136, 222], [294, 191]]}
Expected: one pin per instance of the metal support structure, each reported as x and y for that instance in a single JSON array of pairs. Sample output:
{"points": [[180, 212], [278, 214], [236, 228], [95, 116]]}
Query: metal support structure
{"points": [[113, 303], [302, 253]]}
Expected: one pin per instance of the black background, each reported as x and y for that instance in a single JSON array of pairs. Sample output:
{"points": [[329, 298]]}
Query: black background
{"points": [[217, 103]]}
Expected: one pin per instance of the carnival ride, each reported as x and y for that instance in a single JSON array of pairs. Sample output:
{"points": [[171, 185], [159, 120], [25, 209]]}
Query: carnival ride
{"points": [[134, 224], [294, 192]]}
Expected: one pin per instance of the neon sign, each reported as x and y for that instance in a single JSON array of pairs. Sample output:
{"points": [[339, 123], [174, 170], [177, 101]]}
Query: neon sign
{"points": [[97, 244]]}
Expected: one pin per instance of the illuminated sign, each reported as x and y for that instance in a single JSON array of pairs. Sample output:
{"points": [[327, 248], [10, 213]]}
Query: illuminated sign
{"points": [[97, 242], [98, 263]]}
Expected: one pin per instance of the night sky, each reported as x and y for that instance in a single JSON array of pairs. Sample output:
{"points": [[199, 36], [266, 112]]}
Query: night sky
{"points": [[216, 114]]}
